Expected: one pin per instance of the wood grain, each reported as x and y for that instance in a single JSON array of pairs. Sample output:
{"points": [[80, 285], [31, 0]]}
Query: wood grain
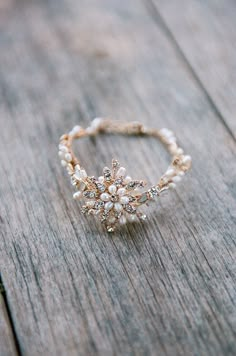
{"points": [[162, 288], [7, 340], [205, 34]]}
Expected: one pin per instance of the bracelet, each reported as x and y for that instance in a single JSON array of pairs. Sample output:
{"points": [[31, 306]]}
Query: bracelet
{"points": [[115, 197]]}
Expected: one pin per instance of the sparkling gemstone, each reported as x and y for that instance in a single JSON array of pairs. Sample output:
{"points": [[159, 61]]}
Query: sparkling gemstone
{"points": [[90, 194]]}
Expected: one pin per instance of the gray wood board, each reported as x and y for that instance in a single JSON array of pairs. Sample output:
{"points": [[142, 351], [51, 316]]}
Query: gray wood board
{"points": [[7, 342], [205, 33], [166, 287]]}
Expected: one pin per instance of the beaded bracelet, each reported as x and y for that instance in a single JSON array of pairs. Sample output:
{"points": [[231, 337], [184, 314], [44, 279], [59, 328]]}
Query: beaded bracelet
{"points": [[115, 197]]}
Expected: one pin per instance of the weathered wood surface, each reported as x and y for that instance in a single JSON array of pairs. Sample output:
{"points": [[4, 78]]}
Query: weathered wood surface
{"points": [[7, 341], [205, 34], [162, 288]]}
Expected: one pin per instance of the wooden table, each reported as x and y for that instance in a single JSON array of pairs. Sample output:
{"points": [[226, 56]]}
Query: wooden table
{"points": [[166, 287]]}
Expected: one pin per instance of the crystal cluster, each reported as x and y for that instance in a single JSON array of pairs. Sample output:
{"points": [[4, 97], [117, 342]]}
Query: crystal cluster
{"points": [[114, 197]]}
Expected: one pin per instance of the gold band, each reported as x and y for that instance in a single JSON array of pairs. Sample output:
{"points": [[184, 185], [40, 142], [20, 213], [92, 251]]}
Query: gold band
{"points": [[115, 197]]}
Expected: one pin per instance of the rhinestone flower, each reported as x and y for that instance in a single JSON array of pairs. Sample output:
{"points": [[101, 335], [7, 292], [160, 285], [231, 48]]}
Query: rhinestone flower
{"points": [[114, 197]]}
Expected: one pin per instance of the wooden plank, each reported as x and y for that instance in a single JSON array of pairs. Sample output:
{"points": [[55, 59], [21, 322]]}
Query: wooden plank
{"points": [[205, 33], [165, 287], [7, 341]]}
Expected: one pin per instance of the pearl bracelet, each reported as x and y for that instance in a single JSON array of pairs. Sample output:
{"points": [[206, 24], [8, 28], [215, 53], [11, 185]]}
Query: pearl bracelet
{"points": [[115, 197]]}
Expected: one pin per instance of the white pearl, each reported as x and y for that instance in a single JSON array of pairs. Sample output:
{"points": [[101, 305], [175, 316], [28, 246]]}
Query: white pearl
{"points": [[82, 186], [90, 130], [68, 157], [83, 174], [77, 167], [101, 179], [181, 173], [63, 148], [61, 154], [108, 205], [124, 200], [172, 185], [112, 219], [118, 207], [123, 220], [90, 203], [77, 175], [127, 179], [63, 163], [121, 172], [179, 151], [187, 159], [121, 191], [176, 179], [77, 195], [112, 189], [96, 122], [169, 134], [171, 140], [164, 131], [105, 196], [132, 217], [76, 129], [169, 172]]}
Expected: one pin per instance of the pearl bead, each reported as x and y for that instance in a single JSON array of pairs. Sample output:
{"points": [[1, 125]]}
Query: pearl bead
{"points": [[105, 196], [82, 186], [121, 191], [96, 122], [63, 163], [90, 203], [108, 205], [77, 175], [173, 148], [118, 207], [61, 154], [77, 195], [101, 179], [169, 172], [83, 174], [123, 220], [181, 173], [176, 179], [127, 179], [180, 151], [112, 219], [121, 172], [187, 159], [171, 139], [68, 157], [172, 185], [77, 167], [132, 218], [124, 200], [63, 149], [76, 129], [112, 189]]}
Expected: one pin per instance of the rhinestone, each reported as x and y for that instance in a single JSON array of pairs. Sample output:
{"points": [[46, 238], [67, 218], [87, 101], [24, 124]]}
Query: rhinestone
{"points": [[101, 187], [107, 174], [153, 192], [130, 209], [99, 204], [84, 209], [118, 181], [135, 184], [90, 194], [143, 198], [143, 217]]}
